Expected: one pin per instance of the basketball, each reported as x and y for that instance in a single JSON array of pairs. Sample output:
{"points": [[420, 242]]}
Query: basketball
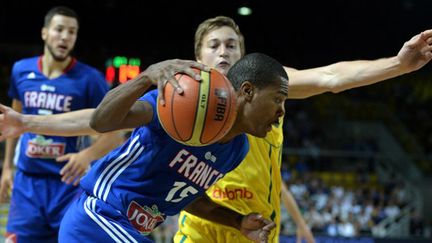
{"points": [[203, 114]]}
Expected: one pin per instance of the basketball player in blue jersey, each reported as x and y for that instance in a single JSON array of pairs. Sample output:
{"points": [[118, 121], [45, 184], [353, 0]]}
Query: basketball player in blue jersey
{"points": [[131, 190], [50, 84]]}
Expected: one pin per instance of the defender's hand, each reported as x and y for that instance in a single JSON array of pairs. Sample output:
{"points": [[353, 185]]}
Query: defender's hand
{"points": [[76, 166], [256, 227], [11, 123], [416, 52]]}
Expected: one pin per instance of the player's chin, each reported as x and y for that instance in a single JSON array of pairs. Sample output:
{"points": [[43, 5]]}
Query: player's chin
{"points": [[223, 69], [260, 133], [61, 57]]}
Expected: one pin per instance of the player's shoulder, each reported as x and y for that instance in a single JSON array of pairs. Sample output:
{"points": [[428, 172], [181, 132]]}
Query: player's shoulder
{"points": [[242, 142], [87, 69], [152, 93], [88, 74], [26, 62], [242, 137], [150, 96]]}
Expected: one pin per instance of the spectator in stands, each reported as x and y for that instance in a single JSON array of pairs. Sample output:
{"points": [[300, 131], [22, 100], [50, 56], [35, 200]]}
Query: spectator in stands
{"points": [[416, 224]]}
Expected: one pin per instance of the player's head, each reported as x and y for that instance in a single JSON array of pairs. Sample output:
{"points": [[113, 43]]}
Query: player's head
{"points": [[60, 32], [219, 43], [262, 88]]}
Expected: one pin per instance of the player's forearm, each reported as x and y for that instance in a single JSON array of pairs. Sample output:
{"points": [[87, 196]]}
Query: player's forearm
{"points": [[348, 75], [341, 76], [116, 104], [414, 54], [74, 123], [205, 208], [291, 205], [9, 153], [104, 144]]}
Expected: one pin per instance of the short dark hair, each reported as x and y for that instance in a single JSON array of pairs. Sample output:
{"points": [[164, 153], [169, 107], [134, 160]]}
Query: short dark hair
{"points": [[60, 10], [257, 68]]}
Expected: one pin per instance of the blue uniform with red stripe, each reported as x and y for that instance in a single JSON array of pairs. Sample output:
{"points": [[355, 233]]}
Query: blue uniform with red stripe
{"points": [[131, 190], [39, 198]]}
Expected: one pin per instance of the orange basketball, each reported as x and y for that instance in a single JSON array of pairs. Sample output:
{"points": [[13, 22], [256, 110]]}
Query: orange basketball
{"points": [[204, 113]]}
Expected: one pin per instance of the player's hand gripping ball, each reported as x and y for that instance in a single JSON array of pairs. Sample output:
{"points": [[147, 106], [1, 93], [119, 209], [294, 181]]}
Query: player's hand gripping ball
{"points": [[203, 113]]}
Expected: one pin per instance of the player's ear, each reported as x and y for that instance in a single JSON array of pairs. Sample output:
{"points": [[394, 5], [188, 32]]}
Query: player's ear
{"points": [[198, 59], [247, 90], [44, 33]]}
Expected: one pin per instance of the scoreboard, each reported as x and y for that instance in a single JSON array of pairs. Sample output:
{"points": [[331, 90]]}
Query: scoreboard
{"points": [[120, 69]]}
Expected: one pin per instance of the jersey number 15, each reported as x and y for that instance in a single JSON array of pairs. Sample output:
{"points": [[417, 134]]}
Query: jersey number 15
{"points": [[179, 191]]}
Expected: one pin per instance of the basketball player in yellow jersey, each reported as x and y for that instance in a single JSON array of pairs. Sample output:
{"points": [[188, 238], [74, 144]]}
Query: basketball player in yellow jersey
{"points": [[252, 186], [256, 185]]}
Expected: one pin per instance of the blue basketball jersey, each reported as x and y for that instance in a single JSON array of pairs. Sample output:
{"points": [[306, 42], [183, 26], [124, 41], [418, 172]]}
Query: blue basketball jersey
{"points": [[152, 175], [79, 87]]}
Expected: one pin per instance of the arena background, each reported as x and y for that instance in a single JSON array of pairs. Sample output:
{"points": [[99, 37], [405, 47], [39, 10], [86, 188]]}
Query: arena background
{"points": [[300, 34]]}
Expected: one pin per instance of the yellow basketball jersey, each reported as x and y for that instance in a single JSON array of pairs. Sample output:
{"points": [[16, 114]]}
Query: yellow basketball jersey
{"points": [[254, 186]]}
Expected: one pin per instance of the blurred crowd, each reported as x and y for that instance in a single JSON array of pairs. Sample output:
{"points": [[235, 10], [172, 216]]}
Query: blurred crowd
{"points": [[338, 210]]}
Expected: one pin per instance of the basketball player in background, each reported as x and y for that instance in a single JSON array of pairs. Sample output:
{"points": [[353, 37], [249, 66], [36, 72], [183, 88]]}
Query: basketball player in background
{"points": [[46, 178], [219, 43]]}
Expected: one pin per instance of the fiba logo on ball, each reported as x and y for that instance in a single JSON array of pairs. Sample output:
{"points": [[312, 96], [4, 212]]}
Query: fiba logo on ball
{"points": [[220, 109], [203, 114]]}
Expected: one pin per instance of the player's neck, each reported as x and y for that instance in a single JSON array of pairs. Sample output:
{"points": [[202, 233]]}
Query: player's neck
{"points": [[52, 68], [234, 132]]}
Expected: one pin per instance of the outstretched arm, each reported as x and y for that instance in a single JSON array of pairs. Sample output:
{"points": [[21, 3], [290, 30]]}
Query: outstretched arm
{"points": [[253, 225], [129, 114], [75, 123], [303, 231], [413, 55], [13, 124]]}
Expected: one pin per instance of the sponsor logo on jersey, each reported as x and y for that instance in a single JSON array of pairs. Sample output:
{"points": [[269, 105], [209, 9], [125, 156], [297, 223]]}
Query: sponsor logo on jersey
{"points": [[11, 238], [31, 75], [45, 87], [210, 157], [233, 194], [144, 219], [39, 147]]}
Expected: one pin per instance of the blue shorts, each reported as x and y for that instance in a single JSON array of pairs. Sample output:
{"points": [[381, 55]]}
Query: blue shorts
{"points": [[37, 206], [92, 220]]}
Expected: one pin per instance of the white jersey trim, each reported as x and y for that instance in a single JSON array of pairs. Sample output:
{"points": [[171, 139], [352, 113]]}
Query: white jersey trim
{"points": [[115, 168], [115, 231]]}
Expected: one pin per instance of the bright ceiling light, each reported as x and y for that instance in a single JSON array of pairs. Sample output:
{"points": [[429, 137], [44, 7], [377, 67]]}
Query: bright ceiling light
{"points": [[244, 11]]}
